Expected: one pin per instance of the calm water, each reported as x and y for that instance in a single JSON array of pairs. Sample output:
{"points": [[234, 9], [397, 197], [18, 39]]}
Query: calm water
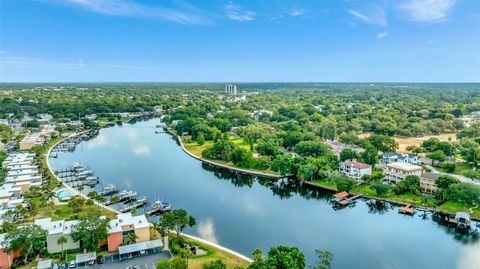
{"points": [[246, 213]]}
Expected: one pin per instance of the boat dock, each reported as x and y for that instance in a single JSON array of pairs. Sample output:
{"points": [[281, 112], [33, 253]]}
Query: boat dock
{"points": [[138, 203], [408, 210], [159, 207]]}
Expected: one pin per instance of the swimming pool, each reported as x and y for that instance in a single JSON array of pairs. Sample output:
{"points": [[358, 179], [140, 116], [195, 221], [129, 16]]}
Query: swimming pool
{"points": [[63, 195]]}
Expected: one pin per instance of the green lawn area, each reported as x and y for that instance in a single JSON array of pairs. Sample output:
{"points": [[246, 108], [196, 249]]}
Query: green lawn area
{"points": [[409, 198], [197, 149], [450, 206], [214, 254], [64, 212], [461, 168]]}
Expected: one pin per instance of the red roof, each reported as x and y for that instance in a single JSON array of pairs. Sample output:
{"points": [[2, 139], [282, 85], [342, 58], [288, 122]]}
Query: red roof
{"points": [[341, 195], [356, 164]]}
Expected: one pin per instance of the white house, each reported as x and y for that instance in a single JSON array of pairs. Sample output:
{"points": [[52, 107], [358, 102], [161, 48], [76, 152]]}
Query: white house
{"points": [[397, 171], [355, 169], [393, 157]]}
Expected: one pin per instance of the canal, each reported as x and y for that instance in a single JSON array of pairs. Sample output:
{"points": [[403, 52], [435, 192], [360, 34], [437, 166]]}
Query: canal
{"points": [[244, 213]]}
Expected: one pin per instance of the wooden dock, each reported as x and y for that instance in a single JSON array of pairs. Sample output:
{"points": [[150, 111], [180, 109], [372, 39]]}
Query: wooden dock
{"points": [[347, 201], [408, 210]]}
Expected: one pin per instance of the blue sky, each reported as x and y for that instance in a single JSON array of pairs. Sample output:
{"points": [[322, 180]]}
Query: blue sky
{"points": [[240, 41]]}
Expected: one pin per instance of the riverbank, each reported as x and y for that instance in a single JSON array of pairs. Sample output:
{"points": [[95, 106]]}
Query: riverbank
{"points": [[419, 202], [221, 252], [220, 165]]}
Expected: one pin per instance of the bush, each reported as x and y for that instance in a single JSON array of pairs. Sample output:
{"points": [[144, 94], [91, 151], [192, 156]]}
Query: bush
{"points": [[218, 264], [380, 188], [345, 183], [409, 184]]}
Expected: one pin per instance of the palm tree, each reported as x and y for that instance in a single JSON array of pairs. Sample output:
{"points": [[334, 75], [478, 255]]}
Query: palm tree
{"points": [[61, 241], [131, 238]]}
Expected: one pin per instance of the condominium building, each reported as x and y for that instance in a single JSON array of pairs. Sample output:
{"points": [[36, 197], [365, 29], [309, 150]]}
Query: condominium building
{"points": [[30, 141], [397, 171], [124, 225], [231, 89], [57, 229]]}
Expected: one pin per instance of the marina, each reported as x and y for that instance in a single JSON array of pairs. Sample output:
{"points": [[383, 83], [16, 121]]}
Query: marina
{"points": [[227, 206]]}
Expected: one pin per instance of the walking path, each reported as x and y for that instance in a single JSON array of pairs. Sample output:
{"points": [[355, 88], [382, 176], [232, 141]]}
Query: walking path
{"points": [[76, 192]]}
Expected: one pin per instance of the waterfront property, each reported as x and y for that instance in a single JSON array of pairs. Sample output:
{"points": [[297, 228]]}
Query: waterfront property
{"points": [[394, 157], [428, 182], [397, 171], [124, 225], [56, 229], [30, 141], [262, 208], [355, 169]]}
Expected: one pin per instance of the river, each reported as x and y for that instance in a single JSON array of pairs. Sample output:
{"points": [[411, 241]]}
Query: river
{"points": [[244, 213]]}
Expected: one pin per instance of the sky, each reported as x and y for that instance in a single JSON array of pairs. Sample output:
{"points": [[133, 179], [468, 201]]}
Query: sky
{"points": [[239, 41]]}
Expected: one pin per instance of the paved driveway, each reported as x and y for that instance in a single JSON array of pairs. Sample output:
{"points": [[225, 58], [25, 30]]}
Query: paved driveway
{"points": [[147, 261]]}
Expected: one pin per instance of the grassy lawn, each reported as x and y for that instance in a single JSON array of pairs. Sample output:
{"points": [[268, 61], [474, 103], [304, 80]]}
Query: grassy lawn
{"points": [[409, 198], [197, 149], [64, 212], [461, 168], [450, 206], [214, 254]]}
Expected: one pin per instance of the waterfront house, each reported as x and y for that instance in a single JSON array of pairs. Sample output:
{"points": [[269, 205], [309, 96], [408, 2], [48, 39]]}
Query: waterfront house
{"points": [[397, 171], [56, 229], [124, 225], [19, 158], [394, 157], [355, 169], [428, 182]]}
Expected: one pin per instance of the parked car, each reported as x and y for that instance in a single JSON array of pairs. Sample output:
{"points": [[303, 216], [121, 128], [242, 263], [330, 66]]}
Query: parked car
{"points": [[142, 252], [92, 262], [136, 267], [100, 259], [72, 264]]}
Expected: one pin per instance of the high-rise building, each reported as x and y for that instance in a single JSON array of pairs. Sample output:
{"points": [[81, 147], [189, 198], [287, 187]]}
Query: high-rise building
{"points": [[231, 89]]}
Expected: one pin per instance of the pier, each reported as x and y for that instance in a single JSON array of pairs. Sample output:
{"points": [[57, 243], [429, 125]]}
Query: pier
{"points": [[407, 210]]}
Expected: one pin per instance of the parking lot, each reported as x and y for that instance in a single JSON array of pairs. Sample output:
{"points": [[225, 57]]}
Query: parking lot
{"points": [[146, 261]]}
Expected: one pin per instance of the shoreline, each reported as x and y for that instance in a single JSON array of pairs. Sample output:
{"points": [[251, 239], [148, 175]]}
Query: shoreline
{"points": [[306, 183], [231, 168], [76, 192]]}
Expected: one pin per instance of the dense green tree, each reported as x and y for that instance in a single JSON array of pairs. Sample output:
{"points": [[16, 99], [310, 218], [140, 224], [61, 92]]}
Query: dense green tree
{"points": [[311, 148], [29, 239], [90, 231], [348, 154], [438, 156], [465, 193], [383, 143], [409, 184], [370, 155]]}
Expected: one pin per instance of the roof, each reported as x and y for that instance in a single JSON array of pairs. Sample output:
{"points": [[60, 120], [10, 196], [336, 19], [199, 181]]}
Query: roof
{"points": [[431, 176], [407, 167], [462, 215], [82, 258], [122, 220], [340, 195], [356, 164], [44, 264], [56, 227], [140, 246]]}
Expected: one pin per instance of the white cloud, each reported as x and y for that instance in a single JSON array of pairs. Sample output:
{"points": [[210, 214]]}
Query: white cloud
{"points": [[297, 12], [382, 35], [131, 8], [237, 13], [375, 16], [206, 230], [14, 61], [427, 10]]}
